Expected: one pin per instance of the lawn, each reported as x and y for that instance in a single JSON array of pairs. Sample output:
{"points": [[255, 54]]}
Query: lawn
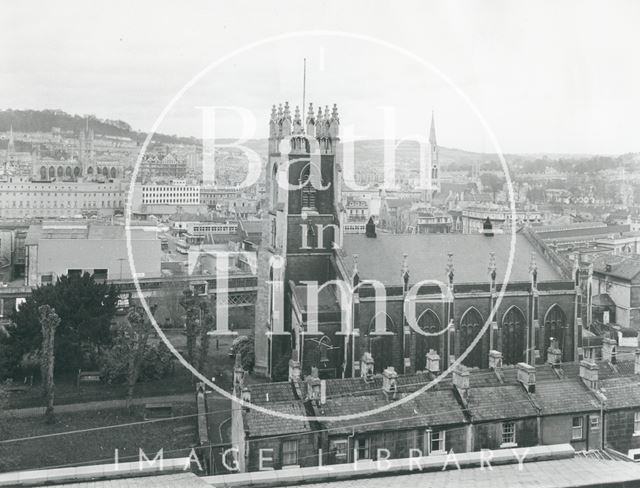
{"points": [[181, 381], [175, 436]]}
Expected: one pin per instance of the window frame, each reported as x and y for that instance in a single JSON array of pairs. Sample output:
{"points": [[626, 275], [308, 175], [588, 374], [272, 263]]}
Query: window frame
{"points": [[363, 444], [289, 452], [636, 423], [577, 428], [510, 441], [340, 448], [436, 436], [594, 422]]}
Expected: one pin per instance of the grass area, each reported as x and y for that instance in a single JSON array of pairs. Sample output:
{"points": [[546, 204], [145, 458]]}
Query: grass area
{"points": [[175, 436], [181, 381]]}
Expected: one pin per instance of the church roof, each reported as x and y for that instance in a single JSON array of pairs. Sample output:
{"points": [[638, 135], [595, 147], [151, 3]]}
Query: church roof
{"points": [[381, 258]]}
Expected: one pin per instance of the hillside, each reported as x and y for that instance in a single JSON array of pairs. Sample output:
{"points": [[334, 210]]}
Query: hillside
{"points": [[45, 120]]}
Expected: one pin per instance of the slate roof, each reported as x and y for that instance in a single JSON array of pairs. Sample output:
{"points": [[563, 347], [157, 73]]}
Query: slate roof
{"points": [[621, 392], [432, 408], [258, 424], [624, 267], [564, 396], [381, 258], [500, 402], [281, 391]]}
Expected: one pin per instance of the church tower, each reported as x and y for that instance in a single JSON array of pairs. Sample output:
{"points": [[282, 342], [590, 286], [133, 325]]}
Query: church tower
{"points": [[301, 226]]}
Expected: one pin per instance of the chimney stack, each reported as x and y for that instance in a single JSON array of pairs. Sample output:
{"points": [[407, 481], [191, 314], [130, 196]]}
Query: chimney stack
{"points": [[589, 373], [390, 382], [495, 360], [294, 370], [554, 354], [527, 376], [609, 350], [461, 381], [366, 366], [433, 362], [313, 385]]}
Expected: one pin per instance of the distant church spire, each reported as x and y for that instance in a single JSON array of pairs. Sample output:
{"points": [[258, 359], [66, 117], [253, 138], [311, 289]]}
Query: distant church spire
{"points": [[11, 145], [432, 132]]}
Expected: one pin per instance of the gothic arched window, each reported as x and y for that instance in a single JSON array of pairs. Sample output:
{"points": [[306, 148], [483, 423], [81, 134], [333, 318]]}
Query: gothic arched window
{"points": [[555, 324], [427, 322], [513, 336], [470, 326], [308, 192]]}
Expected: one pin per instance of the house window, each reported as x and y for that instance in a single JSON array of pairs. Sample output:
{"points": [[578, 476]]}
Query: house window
{"points": [[594, 422], [508, 434], [576, 428], [46, 279], [362, 449], [290, 453], [339, 448], [435, 442], [636, 423]]}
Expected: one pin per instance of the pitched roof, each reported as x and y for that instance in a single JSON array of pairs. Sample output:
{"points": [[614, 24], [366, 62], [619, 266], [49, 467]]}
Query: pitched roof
{"points": [[500, 403], [427, 257], [625, 267], [564, 396], [264, 393], [432, 408], [258, 424], [621, 392]]}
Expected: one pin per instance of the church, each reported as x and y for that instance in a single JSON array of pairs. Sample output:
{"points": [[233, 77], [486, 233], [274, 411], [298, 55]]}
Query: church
{"points": [[453, 283]]}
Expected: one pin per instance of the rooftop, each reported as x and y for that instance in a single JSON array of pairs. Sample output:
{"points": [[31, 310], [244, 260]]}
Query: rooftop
{"points": [[427, 257]]}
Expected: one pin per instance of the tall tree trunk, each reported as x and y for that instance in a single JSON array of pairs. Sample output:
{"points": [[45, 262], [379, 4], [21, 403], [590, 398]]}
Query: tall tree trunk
{"points": [[205, 327], [49, 321]]}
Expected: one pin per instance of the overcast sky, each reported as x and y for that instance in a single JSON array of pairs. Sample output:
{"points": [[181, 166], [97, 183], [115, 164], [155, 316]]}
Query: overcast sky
{"points": [[548, 76]]}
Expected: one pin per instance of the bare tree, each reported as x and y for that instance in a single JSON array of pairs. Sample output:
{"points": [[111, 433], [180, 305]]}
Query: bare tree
{"points": [[49, 321]]}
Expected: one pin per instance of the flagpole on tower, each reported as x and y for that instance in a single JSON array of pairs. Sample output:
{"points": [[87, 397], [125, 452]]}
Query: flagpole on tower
{"points": [[304, 89]]}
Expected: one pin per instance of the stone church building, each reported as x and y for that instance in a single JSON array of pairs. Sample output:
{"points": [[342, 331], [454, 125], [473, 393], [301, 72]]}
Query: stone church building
{"points": [[405, 294]]}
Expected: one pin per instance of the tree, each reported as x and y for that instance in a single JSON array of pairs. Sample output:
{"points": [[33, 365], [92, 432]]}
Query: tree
{"points": [[49, 322], [7, 453], [135, 332], [190, 304], [207, 324], [85, 308]]}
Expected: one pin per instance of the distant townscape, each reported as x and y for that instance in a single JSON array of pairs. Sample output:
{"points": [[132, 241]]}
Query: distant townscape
{"points": [[492, 309]]}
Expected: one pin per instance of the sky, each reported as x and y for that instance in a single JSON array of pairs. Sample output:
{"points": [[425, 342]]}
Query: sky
{"points": [[545, 76]]}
